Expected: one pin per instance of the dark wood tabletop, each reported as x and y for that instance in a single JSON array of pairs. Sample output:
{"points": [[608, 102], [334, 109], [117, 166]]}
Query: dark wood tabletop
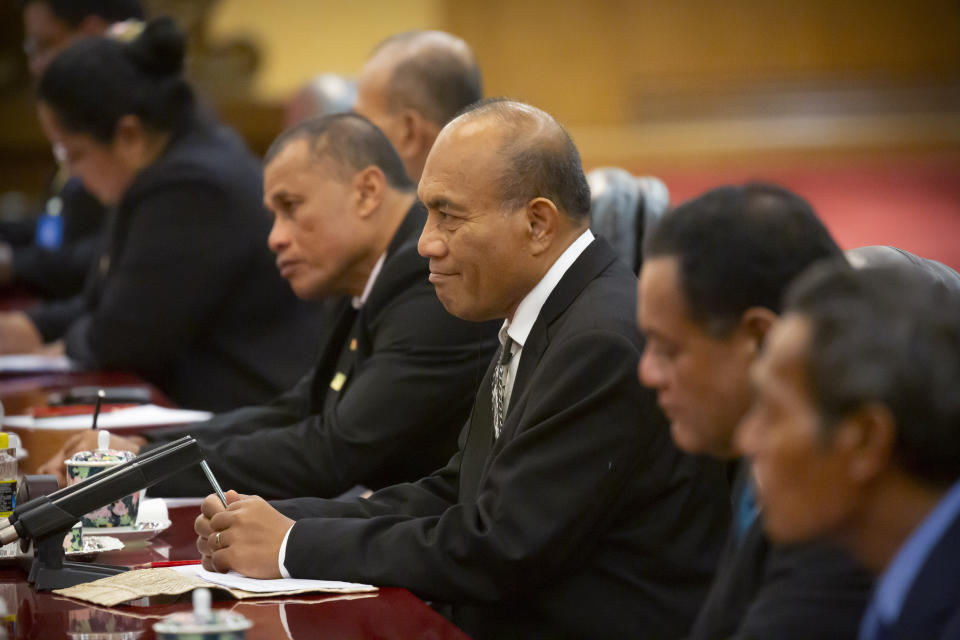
{"points": [[389, 613]]}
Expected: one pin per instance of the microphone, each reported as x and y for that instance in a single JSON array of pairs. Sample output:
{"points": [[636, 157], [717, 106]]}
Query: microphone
{"points": [[23, 507], [60, 510]]}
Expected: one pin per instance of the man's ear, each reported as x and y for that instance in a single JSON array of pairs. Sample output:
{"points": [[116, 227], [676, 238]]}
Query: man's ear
{"points": [[369, 187], [755, 323], [410, 133], [416, 135], [866, 437], [543, 220]]}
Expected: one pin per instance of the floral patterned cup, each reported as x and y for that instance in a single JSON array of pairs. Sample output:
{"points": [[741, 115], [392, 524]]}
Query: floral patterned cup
{"points": [[73, 541], [83, 464]]}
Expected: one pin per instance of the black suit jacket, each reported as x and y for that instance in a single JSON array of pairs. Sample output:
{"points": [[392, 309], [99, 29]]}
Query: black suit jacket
{"points": [[408, 386], [581, 520], [782, 591], [187, 294], [932, 606]]}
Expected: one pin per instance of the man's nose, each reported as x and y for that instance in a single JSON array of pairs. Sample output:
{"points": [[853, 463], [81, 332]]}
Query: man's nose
{"points": [[649, 371], [278, 237], [431, 245]]}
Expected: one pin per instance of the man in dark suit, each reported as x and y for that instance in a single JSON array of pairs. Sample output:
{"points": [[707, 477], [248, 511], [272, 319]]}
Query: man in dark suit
{"points": [[853, 436], [567, 511], [395, 369], [714, 272]]}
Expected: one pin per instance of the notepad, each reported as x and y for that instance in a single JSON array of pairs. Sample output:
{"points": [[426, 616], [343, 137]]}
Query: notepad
{"points": [[141, 416], [33, 363], [233, 580]]}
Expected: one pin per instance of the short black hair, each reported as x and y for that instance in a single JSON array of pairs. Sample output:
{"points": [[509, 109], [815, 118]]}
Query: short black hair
{"points": [[739, 247], [72, 12], [439, 80], [96, 81], [887, 335], [540, 158], [351, 141]]}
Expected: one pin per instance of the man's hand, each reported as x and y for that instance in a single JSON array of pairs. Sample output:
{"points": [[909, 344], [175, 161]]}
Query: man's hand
{"points": [[244, 537], [86, 441], [18, 334]]}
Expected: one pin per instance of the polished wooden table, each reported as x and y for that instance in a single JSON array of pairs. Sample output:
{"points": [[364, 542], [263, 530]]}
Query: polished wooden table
{"points": [[390, 613]]}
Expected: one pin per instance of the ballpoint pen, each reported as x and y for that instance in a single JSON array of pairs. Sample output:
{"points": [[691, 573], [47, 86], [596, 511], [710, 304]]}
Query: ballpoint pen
{"points": [[213, 482], [96, 410]]}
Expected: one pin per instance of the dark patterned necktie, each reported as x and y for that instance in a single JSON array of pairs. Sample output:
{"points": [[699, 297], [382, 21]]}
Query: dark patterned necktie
{"points": [[499, 385]]}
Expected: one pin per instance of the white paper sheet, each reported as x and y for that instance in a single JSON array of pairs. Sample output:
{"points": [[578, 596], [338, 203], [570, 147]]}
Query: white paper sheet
{"points": [[234, 580], [142, 416], [28, 363]]}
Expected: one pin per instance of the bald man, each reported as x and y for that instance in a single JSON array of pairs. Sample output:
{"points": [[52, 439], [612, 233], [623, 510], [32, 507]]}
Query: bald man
{"points": [[413, 84], [567, 511]]}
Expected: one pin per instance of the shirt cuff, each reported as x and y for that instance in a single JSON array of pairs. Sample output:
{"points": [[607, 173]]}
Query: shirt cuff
{"points": [[282, 557]]}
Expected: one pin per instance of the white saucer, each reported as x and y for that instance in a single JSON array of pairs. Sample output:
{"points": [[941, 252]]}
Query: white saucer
{"points": [[94, 545], [139, 531]]}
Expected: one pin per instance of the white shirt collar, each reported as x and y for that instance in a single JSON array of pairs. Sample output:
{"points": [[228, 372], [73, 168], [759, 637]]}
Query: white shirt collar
{"points": [[358, 302], [529, 308]]}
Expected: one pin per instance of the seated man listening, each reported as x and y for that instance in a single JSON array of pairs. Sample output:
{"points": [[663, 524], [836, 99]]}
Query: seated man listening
{"points": [[855, 436], [567, 511], [710, 288]]}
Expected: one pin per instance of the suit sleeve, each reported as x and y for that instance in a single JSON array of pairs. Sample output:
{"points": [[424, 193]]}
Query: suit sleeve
{"points": [[56, 272], [425, 497], [52, 319], [175, 270], [420, 374], [580, 430], [809, 591], [281, 412]]}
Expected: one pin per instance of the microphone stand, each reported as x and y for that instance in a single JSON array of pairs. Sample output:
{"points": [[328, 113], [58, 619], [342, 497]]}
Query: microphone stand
{"points": [[47, 519]]}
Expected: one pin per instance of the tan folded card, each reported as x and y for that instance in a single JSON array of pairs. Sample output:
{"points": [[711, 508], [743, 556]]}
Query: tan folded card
{"points": [[140, 583]]}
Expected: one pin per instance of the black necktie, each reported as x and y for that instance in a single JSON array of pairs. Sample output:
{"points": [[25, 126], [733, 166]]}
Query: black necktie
{"points": [[499, 385]]}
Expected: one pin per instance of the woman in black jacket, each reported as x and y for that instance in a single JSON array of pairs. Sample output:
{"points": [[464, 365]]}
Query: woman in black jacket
{"points": [[185, 293]]}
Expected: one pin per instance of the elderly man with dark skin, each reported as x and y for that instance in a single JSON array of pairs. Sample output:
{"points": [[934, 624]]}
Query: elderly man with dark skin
{"points": [[396, 372], [853, 436], [567, 511], [714, 272]]}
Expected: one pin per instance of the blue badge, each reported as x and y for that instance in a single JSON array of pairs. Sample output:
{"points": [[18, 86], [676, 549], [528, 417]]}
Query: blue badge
{"points": [[50, 226]]}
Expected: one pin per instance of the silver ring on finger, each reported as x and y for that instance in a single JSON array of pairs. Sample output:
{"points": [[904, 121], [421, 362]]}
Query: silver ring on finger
{"points": [[217, 538]]}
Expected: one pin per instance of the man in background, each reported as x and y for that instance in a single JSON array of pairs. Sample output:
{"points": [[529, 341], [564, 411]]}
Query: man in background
{"points": [[413, 84], [854, 435], [714, 273]]}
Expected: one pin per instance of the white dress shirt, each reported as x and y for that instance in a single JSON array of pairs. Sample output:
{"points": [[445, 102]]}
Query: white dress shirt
{"points": [[529, 308]]}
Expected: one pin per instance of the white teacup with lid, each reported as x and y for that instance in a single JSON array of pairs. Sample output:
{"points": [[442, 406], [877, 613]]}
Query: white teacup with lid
{"points": [[203, 623]]}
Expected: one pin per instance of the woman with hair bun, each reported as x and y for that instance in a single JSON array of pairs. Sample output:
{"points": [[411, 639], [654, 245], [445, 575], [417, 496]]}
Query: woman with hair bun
{"points": [[185, 293]]}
